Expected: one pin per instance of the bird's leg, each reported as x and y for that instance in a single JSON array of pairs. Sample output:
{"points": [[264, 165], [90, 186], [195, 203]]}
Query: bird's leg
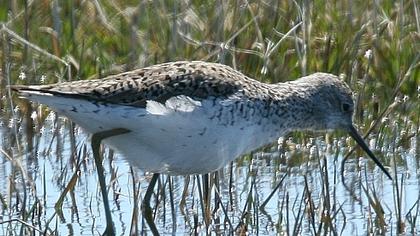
{"points": [[206, 197], [96, 143], [146, 209]]}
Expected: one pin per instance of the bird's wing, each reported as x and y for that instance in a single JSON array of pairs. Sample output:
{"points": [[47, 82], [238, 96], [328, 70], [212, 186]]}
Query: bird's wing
{"points": [[198, 80]]}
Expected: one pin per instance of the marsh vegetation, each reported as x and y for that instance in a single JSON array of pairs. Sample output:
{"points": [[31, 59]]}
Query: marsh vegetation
{"points": [[307, 183]]}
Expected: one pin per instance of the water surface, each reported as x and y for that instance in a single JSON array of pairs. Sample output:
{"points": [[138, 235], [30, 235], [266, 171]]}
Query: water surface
{"points": [[311, 195]]}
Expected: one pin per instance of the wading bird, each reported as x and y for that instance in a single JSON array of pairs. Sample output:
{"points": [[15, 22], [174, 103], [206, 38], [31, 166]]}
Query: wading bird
{"points": [[193, 117]]}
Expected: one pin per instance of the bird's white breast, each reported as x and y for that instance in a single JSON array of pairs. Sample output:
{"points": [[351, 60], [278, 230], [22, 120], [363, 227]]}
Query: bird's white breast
{"points": [[176, 137]]}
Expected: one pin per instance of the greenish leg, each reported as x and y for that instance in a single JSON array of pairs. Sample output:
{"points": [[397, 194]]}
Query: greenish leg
{"points": [[96, 143], [146, 209]]}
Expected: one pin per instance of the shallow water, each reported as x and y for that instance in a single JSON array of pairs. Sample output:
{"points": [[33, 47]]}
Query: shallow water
{"points": [[311, 198]]}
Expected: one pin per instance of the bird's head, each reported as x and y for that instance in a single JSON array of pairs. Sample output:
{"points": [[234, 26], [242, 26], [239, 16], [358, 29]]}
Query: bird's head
{"points": [[332, 108]]}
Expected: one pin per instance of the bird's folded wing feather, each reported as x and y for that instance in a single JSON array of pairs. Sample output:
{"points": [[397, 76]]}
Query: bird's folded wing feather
{"points": [[198, 80]]}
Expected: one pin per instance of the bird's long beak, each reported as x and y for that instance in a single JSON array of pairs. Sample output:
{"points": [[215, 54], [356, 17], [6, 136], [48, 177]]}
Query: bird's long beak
{"points": [[362, 144]]}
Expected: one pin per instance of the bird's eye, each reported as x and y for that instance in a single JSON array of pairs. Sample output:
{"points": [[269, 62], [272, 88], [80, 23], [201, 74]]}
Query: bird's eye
{"points": [[345, 107]]}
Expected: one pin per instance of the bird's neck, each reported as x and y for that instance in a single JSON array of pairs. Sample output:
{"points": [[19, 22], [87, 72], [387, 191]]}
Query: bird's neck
{"points": [[290, 108], [262, 118]]}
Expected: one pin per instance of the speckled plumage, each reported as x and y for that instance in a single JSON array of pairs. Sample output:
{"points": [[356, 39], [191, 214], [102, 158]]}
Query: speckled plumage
{"points": [[195, 117]]}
